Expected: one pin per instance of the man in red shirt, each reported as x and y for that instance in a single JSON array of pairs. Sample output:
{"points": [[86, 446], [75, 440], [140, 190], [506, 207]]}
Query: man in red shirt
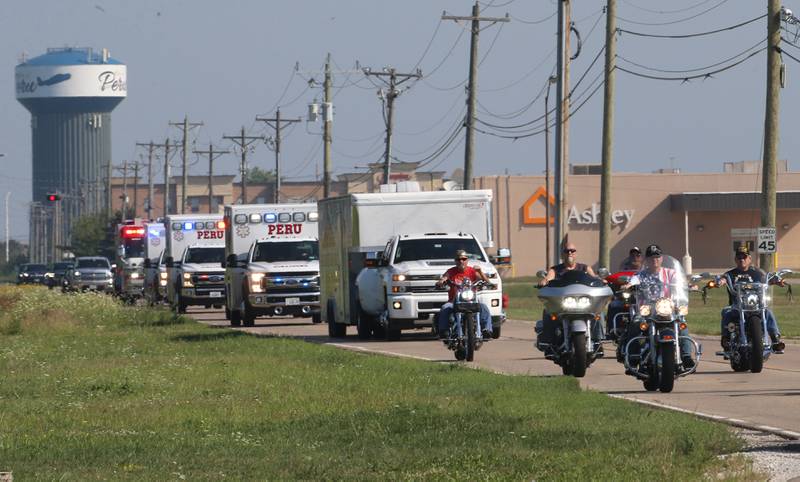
{"points": [[456, 275]]}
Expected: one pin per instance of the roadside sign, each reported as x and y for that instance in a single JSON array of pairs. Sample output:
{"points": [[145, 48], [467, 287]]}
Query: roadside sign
{"points": [[766, 240], [744, 232]]}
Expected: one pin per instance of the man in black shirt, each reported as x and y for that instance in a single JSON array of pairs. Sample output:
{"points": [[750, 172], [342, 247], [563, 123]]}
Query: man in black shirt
{"points": [[744, 269]]}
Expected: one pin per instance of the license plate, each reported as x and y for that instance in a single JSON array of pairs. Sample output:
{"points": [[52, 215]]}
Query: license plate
{"points": [[92, 287], [215, 294], [292, 301]]}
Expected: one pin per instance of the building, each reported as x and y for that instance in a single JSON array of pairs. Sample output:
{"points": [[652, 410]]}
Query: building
{"points": [[70, 93], [721, 210]]}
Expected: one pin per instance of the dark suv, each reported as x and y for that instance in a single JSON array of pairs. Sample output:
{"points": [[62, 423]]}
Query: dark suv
{"points": [[31, 273], [55, 277]]}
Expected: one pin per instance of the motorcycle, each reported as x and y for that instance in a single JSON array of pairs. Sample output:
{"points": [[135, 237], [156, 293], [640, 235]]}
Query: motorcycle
{"points": [[749, 345], [660, 313], [573, 306], [464, 335]]}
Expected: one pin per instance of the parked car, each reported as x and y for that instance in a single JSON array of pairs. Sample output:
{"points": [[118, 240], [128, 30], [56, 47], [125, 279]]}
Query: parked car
{"points": [[30, 273], [89, 273], [55, 275]]}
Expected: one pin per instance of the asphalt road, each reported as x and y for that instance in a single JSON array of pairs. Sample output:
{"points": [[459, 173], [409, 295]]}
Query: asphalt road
{"points": [[768, 400]]}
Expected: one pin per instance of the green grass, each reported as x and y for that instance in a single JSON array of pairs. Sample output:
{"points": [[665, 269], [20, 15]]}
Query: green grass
{"points": [[703, 319], [92, 390]]}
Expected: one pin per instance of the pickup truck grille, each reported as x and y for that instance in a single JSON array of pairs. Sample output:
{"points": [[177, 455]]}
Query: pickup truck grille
{"points": [[94, 276], [209, 280], [425, 289], [297, 282], [423, 277]]}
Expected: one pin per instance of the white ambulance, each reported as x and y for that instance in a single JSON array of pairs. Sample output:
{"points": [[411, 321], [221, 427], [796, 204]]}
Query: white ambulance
{"points": [[271, 261], [155, 270]]}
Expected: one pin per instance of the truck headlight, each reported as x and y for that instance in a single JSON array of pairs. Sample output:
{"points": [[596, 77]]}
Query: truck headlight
{"points": [[187, 280], [77, 274], [255, 282], [683, 310], [664, 307], [163, 275], [398, 277], [491, 274], [134, 275]]}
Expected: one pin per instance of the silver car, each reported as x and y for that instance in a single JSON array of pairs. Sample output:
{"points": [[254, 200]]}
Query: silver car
{"points": [[89, 273]]}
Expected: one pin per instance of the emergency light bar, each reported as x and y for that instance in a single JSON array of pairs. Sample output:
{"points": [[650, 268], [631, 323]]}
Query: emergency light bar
{"points": [[270, 218], [132, 232]]}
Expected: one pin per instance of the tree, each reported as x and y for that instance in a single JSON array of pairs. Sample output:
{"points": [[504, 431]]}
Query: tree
{"points": [[17, 254], [256, 175], [90, 236]]}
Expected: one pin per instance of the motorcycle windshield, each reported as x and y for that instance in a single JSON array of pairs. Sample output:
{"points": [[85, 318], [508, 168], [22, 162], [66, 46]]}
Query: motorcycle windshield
{"points": [[665, 281], [575, 277]]}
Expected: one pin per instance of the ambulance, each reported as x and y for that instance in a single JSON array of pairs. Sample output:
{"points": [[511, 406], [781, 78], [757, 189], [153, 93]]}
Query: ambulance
{"points": [[155, 270], [128, 269]]}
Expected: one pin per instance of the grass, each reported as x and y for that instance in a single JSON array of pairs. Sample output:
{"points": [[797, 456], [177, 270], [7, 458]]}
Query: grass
{"points": [[93, 390], [703, 319]]}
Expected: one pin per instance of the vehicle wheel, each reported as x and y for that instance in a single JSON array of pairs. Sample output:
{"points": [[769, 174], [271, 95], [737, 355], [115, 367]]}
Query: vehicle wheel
{"points": [[227, 313], [316, 318], [248, 315], [236, 318], [667, 376], [364, 324], [566, 369], [496, 329], [390, 332], [740, 363], [378, 331], [756, 344], [578, 355], [335, 330], [651, 384], [461, 354], [469, 326]]}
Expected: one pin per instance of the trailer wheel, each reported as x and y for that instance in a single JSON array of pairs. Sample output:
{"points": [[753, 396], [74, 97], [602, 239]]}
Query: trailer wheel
{"points": [[335, 330]]}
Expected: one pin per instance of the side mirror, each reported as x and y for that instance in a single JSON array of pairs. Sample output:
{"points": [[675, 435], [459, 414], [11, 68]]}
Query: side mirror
{"points": [[169, 262], [784, 272], [230, 261], [383, 261], [541, 273], [603, 272], [147, 263], [695, 278]]}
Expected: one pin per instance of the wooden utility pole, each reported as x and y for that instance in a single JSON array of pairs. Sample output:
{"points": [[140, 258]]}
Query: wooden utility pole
{"points": [[124, 190], [275, 123], [562, 127], [394, 81], [550, 81], [243, 141], [472, 88], [109, 200], [185, 126], [166, 177], [150, 189], [771, 125], [136, 166], [212, 154], [327, 121], [608, 134]]}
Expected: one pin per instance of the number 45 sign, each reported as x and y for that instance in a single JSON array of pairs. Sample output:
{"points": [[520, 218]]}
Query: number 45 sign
{"points": [[766, 240]]}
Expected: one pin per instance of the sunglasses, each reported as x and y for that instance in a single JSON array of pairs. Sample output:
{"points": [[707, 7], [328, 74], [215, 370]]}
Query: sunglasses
{"points": [[570, 251], [463, 259], [741, 256]]}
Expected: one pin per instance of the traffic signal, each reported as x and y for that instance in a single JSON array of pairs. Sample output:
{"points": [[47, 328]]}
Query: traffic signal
{"points": [[53, 197]]}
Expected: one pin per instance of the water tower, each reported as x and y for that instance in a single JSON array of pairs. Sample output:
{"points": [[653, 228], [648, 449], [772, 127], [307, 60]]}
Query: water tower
{"points": [[70, 93]]}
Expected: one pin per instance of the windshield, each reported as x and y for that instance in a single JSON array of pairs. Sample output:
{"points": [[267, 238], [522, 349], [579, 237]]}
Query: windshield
{"points": [[574, 276], [134, 248], [286, 251], [436, 248], [665, 281], [34, 268], [93, 263], [205, 255]]}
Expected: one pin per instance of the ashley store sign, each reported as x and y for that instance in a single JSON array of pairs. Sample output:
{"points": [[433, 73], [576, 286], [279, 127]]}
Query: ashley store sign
{"points": [[587, 216]]}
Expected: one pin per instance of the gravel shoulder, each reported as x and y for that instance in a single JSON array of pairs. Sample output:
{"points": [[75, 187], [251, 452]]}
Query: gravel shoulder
{"points": [[772, 456]]}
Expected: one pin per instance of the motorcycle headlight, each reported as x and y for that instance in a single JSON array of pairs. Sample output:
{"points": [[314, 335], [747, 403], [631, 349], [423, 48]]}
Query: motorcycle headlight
{"points": [[134, 275], [644, 310], [569, 303], [626, 295], [255, 282], [683, 310], [584, 302], [731, 327], [664, 307], [77, 274], [751, 299], [467, 295]]}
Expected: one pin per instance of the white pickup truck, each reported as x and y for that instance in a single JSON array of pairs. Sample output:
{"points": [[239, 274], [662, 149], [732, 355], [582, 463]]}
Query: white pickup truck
{"points": [[194, 255], [271, 262], [381, 255]]}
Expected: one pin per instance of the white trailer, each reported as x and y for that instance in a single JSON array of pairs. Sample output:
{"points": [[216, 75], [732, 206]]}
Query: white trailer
{"points": [[381, 255], [271, 261], [194, 255]]}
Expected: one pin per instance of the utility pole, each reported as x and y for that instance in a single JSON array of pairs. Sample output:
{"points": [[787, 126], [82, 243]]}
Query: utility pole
{"points": [[472, 89], [212, 154], [327, 121], [550, 81], [8, 225], [395, 80], [185, 126], [608, 134], [562, 114], [166, 177], [109, 200], [243, 141], [277, 126], [124, 190], [150, 189], [771, 125], [136, 166]]}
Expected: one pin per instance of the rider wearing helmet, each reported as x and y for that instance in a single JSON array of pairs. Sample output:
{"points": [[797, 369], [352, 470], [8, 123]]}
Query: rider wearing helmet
{"points": [[455, 275], [744, 269], [667, 277]]}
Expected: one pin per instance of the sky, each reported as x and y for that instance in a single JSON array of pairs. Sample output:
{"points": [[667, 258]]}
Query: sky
{"points": [[224, 63]]}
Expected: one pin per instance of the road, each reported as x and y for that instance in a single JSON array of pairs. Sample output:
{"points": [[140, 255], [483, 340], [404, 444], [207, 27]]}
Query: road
{"points": [[770, 399]]}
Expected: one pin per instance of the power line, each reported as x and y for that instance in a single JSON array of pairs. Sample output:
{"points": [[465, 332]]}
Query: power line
{"points": [[673, 22], [666, 12], [653, 69], [691, 35], [687, 78]]}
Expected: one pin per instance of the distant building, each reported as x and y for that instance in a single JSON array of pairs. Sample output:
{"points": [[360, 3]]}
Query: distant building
{"points": [[752, 167]]}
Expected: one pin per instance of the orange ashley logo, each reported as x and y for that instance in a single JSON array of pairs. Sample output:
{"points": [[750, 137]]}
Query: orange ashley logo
{"points": [[527, 208]]}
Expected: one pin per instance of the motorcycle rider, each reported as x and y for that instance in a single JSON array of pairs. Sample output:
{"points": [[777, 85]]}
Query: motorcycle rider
{"points": [[569, 262], [634, 260], [455, 275], [745, 269], [653, 269]]}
